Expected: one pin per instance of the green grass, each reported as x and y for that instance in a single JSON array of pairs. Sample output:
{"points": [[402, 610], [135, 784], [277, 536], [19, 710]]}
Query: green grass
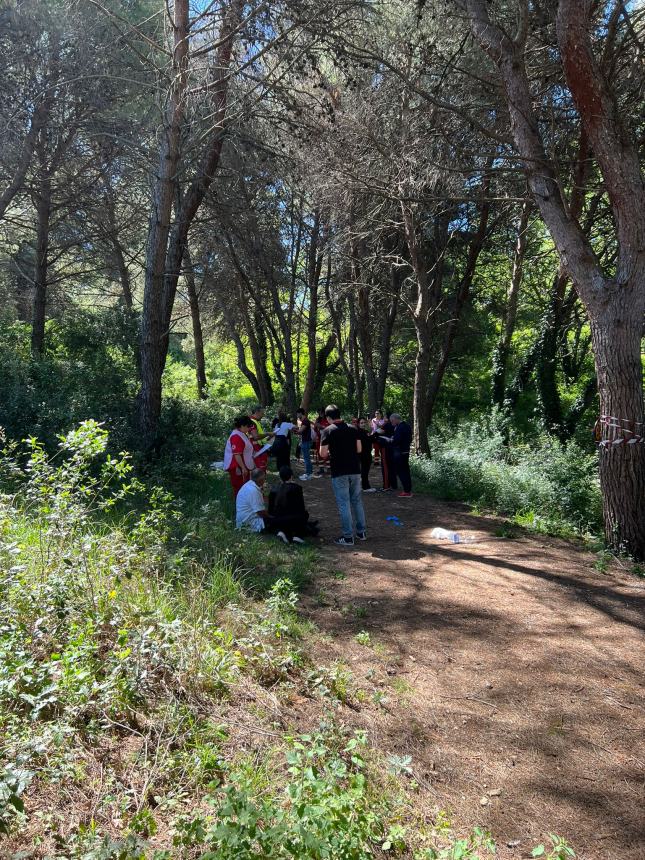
{"points": [[145, 646]]}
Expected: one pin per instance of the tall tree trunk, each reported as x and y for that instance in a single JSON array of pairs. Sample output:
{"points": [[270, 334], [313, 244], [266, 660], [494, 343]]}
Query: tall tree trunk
{"points": [[427, 299], [335, 312], [254, 326], [198, 335], [43, 214], [463, 292], [502, 350], [578, 409], [420, 391], [198, 188], [259, 354], [117, 248], [233, 327], [357, 381], [397, 277], [615, 306], [322, 368], [124, 274], [163, 194], [290, 394], [617, 344], [314, 269], [364, 322], [39, 118], [547, 358], [167, 244]]}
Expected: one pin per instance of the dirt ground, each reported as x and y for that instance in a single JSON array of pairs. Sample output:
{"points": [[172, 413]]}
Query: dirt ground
{"points": [[511, 671]]}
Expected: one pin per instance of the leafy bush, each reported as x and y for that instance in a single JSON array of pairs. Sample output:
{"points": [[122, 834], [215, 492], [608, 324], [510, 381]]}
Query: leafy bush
{"points": [[88, 371], [112, 613], [326, 810], [550, 485]]}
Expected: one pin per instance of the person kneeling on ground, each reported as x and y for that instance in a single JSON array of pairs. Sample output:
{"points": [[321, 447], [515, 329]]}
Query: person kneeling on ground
{"points": [[287, 509], [251, 513]]}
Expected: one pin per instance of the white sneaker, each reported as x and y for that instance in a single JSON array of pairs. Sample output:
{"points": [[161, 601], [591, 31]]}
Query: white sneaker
{"points": [[282, 536], [371, 490], [304, 477], [297, 539]]}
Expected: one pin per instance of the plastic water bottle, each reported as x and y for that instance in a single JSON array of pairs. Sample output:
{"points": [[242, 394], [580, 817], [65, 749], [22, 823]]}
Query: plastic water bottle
{"points": [[445, 534]]}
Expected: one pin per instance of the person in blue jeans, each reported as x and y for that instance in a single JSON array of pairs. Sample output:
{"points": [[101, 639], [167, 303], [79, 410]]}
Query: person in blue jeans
{"points": [[304, 430], [340, 443]]}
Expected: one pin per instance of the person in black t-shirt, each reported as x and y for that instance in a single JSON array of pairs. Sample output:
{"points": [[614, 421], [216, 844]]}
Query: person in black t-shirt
{"points": [[341, 444]]}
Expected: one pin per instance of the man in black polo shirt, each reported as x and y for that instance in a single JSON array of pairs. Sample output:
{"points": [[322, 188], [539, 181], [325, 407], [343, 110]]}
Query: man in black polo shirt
{"points": [[341, 444]]}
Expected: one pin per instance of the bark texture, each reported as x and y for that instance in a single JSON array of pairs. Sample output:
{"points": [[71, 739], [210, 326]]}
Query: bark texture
{"points": [[196, 320], [167, 242], [615, 305], [503, 348]]}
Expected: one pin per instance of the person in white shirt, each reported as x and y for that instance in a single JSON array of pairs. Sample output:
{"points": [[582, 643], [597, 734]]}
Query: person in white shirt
{"points": [[250, 509], [282, 427]]}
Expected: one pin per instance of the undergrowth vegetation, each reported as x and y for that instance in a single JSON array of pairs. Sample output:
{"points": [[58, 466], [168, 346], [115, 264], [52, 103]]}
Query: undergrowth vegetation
{"points": [[148, 656], [542, 484]]}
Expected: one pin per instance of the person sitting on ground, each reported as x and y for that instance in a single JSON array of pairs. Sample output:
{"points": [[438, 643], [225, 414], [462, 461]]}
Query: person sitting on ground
{"points": [[250, 510], [251, 513], [287, 509]]}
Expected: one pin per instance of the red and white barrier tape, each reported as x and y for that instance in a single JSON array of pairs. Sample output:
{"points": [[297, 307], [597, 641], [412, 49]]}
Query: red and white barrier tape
{"points": [[616, 433]]}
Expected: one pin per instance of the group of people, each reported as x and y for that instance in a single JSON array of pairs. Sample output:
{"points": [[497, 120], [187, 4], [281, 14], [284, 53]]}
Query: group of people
{"points": [[346, 449]]}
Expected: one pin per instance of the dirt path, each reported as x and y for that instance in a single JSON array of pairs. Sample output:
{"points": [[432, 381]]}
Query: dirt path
{"points": [[511, 671]]}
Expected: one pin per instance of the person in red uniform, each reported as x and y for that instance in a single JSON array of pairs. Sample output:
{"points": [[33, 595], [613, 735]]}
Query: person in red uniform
{"points": [[238, 455], [261, 460]]}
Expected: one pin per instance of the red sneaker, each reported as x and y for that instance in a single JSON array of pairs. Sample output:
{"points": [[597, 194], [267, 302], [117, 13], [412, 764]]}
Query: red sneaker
{"points": [[405, 495]]}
